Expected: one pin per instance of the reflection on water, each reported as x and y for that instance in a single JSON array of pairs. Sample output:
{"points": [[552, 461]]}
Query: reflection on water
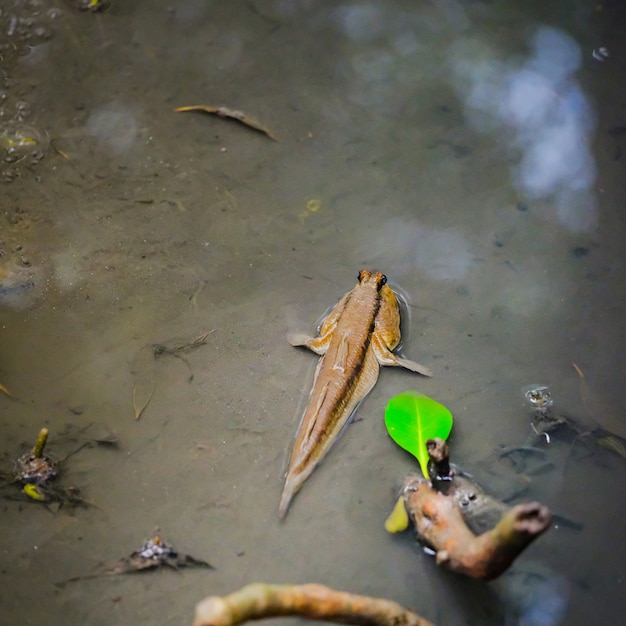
{"points": [[114, 125], [547, 604], [472, 151], [541, 101]]}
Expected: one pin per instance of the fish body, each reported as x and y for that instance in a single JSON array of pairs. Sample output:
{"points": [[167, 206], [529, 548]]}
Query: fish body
{"points": [[358, 336]]}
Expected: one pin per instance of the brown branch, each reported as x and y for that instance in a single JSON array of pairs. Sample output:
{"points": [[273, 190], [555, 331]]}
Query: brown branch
{"points": [[260, 601], [439, 523], [439, 470]]}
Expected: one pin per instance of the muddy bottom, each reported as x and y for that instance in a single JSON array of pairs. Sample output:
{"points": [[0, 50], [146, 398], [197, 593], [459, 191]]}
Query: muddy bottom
{"points": [[473, 152]]}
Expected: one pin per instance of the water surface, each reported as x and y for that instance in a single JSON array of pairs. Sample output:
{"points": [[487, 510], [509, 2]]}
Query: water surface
{"points": [[472, 151]]}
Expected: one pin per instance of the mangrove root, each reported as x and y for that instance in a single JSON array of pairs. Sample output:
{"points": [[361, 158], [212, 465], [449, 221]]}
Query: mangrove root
{"points": [[440, 523], [259, 601]]}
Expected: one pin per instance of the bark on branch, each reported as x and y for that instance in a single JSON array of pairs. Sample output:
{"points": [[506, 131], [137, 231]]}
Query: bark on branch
{"points": [[260, 601]]}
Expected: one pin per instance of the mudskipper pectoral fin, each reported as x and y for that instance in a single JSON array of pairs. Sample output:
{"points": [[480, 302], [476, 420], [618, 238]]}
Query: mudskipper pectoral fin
{"points": [[413, 366], [386, 357], [298, 339], [319, 345]]}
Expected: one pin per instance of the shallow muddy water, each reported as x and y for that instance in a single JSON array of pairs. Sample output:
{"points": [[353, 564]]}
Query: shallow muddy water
{"points": [[472, 151]]}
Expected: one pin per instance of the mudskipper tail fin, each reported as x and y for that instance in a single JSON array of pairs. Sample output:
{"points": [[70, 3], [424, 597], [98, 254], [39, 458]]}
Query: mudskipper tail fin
{"points": [[289, 491]]}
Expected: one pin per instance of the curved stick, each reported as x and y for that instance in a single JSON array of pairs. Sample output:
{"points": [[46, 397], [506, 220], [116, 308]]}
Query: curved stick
{"points": [[259, 601]]}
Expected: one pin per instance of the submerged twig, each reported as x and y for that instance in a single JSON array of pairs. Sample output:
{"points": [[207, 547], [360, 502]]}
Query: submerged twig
{"points": [[178, 349], [61, 153], [260, 601], [141, 407], [232, 114], [174, 350]]}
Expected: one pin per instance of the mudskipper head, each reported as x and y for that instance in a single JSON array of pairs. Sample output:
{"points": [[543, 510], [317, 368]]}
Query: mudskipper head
{"points": [[372, 278]]}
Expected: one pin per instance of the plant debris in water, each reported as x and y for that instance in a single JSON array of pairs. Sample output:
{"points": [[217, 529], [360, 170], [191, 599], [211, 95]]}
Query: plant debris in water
{"points": [[144, 384], [226, 113], [35, 473], [154, 553], [547, 424]]}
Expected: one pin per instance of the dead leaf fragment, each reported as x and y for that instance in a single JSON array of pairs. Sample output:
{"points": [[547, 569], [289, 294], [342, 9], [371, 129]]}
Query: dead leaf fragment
{"points": [[141, 399], [232, 114], [613, 444]]}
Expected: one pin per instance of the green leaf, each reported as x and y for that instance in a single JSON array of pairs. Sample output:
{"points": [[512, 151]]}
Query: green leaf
{"points": [[412, 419]]}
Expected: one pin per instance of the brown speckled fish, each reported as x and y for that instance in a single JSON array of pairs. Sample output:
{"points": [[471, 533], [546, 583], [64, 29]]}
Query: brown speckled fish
{"points": [[356, 338]]}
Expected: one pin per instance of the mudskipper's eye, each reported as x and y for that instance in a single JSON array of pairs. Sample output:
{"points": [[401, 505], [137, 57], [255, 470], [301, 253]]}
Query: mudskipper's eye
{"points": [[360, 274], [383, 280]]}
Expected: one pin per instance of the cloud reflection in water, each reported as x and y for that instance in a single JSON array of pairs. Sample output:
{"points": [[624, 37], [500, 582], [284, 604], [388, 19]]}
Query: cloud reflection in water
{"points": [[541, 107]]}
